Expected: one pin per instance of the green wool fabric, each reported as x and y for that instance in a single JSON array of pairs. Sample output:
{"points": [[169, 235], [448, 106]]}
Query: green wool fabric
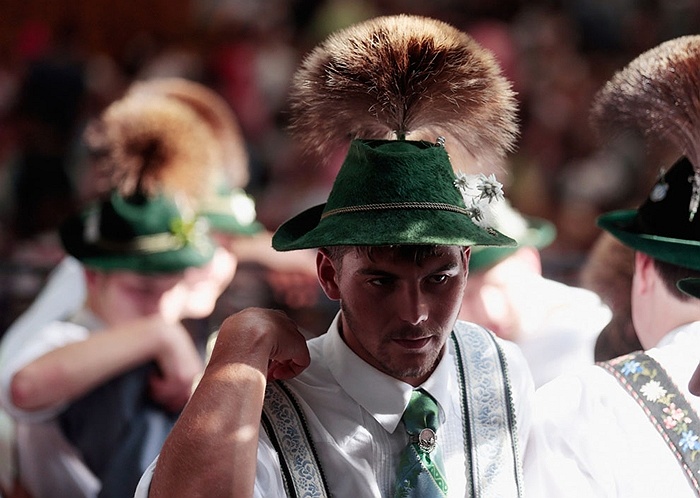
{"points": [[389, 192], [139, 234]]}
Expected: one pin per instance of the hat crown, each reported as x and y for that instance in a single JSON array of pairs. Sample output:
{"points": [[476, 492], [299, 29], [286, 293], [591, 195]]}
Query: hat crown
{"points": [[381, 172], [390, 192], [667, 210]]}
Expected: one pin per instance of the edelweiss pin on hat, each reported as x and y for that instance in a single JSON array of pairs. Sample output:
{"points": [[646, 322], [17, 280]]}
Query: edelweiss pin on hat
{"points": [[657, 94], [406, 95]]}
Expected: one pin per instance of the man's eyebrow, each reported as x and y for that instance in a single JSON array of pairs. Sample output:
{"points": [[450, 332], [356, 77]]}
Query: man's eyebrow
{"points": [[369, 271]]}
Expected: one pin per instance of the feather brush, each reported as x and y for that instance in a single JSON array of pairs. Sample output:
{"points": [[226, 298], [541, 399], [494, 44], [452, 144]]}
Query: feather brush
{"points": [[151, 144], [405, 77], [658, 95], [215, 112]]}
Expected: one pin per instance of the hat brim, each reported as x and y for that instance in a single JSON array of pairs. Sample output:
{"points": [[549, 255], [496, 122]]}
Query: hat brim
{"points": [[671, 250], [539, 234], [229, 225], [388, 227], [690, 286]]}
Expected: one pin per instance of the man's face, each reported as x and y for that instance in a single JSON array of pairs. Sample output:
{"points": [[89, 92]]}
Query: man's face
{"points": [[397, 312], [121, 296]]}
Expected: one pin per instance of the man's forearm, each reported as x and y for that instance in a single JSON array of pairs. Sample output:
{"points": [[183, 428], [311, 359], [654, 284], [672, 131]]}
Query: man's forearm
{"points": [[212, 450]]}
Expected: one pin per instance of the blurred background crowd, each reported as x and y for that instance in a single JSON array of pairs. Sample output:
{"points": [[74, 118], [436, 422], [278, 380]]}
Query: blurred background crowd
{"points": [[62, 62]]}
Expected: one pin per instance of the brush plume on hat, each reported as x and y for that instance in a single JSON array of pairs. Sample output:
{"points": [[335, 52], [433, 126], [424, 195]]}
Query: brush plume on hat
{"points": [[657, 95], [213, 111], [405, 77], [151, 145]]}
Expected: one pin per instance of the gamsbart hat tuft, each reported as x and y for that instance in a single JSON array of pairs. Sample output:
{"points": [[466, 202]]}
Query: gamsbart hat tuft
{"points": [[409, 98]]}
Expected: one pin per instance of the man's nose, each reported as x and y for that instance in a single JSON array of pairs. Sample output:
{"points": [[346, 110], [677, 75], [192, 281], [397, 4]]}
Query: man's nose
{"points": [[414, 306]]}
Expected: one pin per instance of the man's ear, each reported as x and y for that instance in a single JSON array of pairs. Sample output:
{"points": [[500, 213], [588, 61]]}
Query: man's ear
{"points": [[90, 277], [327, 275], [467, 254], [644, 271]]}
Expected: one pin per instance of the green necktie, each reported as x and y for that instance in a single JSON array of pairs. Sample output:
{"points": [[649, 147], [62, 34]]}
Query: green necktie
{"points": [[420, 472]]}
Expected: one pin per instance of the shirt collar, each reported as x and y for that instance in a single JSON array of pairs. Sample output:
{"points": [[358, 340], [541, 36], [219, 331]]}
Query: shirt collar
{"points": [[388, 397], [689, 331]]}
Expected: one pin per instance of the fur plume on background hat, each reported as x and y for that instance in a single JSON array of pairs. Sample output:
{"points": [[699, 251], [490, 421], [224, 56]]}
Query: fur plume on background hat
{"points": [[214, 111], [656, 95], [152, 144], [405, 77]]}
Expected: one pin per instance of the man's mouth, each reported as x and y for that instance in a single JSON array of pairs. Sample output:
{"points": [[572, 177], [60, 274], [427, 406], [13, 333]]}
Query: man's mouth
{"points": [[416, 344]]}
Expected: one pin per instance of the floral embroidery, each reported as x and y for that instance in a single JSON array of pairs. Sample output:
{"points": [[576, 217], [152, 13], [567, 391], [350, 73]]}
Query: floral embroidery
{"points": [[675, 418], [653, 391], [631, 367]]}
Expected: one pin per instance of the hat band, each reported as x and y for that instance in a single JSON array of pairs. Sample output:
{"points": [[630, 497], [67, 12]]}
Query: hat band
{"points": [[440, 206], [149, 244]]}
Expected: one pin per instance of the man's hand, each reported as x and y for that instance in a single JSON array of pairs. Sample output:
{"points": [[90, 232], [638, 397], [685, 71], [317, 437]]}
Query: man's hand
{"points": [[272, 333]]}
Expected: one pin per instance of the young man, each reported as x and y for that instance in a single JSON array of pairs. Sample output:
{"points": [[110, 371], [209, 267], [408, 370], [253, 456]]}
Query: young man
{"points": [[394, 238], [629, 427]]}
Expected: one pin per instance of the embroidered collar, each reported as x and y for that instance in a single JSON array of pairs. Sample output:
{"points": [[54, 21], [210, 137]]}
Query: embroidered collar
{"points": [[388, 398]]}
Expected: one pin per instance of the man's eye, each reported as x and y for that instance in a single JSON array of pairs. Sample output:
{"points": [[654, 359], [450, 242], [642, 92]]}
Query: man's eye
{"points": [[380, 281], [439, 279]]}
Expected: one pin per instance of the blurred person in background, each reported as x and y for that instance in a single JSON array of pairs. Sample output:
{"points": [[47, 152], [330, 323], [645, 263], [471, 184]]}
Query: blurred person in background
{"points": [[554, 324], [147, 145], [94, 395]]}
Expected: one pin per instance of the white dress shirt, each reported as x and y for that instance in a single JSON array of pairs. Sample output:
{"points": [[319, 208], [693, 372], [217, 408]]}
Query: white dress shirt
{"points": [[353, 412], [590, 438]]}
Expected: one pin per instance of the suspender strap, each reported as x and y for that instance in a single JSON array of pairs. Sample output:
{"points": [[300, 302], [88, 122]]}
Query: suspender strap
{"points": [[284, 422], [490, 434], [665, 406]]}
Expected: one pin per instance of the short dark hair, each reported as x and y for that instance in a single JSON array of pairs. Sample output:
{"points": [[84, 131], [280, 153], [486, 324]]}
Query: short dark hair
{"points": [[416, 253], [670, 274]]}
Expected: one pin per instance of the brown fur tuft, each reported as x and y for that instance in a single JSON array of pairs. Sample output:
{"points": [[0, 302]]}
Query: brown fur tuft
{"points": [[151, 143], [657, 95], [406, 76], [213, 110]]}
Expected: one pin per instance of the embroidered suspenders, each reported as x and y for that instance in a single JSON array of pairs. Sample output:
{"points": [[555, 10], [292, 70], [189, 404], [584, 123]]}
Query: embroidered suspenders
{"points": [[286, 427], [488, 414], [665, 406], [490, 435]]}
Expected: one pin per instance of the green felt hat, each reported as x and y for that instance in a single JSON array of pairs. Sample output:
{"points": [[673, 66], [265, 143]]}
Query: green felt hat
{"points": [[231, 211], [526, 230], [139, 234], [690, 286], [666, 226], [390, 192]]}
